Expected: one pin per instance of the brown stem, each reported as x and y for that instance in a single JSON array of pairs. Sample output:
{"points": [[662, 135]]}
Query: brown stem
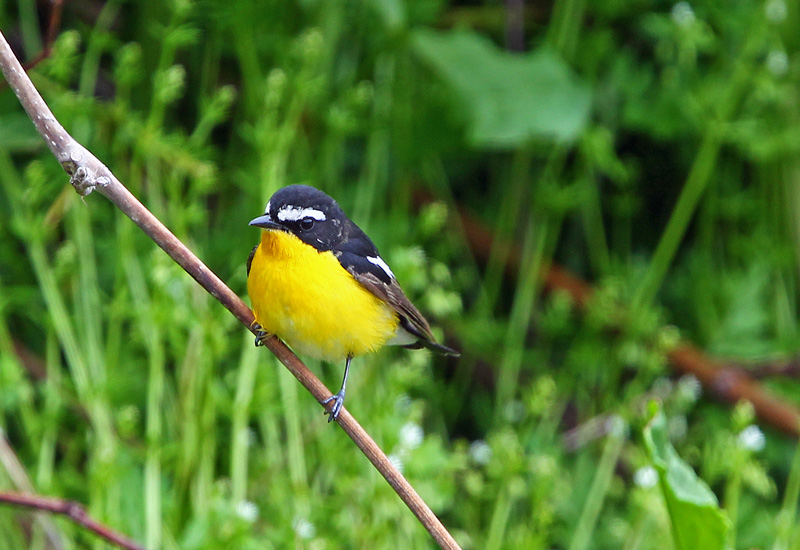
{"points": [[20, 481], [72, 510], [733, 385], [89, 174], [788, 368]]}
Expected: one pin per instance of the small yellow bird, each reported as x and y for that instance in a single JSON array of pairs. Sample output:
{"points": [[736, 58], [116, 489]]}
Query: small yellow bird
{"points": [[318, 283]]}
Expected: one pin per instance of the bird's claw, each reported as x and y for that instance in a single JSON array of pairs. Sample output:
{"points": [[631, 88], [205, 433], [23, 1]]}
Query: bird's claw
{"points": [[338, 402], [261, 335]]}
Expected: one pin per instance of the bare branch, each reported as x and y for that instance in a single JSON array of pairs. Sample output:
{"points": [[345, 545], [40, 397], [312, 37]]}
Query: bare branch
{"points": [[72, 510], [786, 368], [733, 385], [89, 174], [21, 481]]}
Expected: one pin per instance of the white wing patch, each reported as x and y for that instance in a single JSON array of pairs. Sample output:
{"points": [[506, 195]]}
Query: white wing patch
{"points": [[291, 213], [377, 260], [402, 337]]}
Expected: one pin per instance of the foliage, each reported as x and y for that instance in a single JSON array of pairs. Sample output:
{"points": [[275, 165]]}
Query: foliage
{"points": [[650, 147], [695, 516], [509, 99]]}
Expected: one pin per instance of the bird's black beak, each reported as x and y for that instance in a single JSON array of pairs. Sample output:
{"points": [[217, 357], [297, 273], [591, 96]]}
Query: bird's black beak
{"points": [[266, 222]]}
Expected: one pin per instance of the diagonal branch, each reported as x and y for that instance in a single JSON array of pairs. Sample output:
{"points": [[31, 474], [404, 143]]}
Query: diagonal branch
{"points": [[73, 511], [88, 174], [20, 480]]}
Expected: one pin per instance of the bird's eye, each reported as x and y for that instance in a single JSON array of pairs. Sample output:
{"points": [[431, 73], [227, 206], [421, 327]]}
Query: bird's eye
{"points": [[306, 223]]}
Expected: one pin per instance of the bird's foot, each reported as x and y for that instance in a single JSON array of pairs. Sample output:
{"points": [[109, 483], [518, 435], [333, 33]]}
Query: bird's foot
{"points": [[338, 402], [261, 335]]}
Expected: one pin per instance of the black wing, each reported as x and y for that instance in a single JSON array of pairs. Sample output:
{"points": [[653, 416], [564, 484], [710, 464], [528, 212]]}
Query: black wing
{"points": [[250, 259], [384, 286]]}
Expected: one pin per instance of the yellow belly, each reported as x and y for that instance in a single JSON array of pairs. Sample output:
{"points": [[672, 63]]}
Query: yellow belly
{"points": [[310, 302]]}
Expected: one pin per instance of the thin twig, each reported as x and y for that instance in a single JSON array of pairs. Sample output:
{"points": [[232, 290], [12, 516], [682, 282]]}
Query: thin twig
{"points": [[22, 482], [76, 512], [89, 174]]}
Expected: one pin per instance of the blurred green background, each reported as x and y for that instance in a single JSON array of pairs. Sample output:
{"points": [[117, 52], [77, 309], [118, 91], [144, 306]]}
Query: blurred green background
{"points": [[649, 147]]}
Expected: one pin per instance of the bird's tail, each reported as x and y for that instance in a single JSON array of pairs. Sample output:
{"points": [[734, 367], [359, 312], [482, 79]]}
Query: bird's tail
{"points": [[434, 346]]}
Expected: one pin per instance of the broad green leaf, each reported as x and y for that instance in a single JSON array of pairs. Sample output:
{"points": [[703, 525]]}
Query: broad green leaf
{"points": [[697, 520], [509, 98]]}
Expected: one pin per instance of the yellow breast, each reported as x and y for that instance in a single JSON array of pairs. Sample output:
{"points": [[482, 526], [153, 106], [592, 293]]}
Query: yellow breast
{"points": [[312, 303]]}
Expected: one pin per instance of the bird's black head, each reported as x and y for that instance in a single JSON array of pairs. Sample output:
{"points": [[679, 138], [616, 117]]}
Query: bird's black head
{"points": [[309, 214]]}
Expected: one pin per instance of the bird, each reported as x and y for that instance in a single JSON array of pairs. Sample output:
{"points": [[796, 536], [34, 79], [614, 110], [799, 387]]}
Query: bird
{"points": [[317, 282]]}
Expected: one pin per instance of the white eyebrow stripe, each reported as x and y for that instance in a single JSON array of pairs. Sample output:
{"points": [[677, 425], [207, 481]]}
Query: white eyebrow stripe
{"points": [[266, 210], [377, 260], [291, 213]]}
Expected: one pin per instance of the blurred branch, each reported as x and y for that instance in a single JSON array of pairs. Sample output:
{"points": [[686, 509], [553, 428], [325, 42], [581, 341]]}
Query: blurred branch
{"points": [[724, 382], [88, 174], [789, 368], [732, 385], [515, 25], [52, 29], [490, 17], [72, 510], [19, 479], [33, 364]]}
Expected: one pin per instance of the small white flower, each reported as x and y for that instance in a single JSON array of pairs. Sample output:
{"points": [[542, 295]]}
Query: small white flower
{"points": [[776, 11], [645, 477], [403, 403], [480, 451], [777, 62], [683, 14], [752, 438], [304, 528], [396, 461], [411, 435], [247, 510], [690, 387], [616, 426]]}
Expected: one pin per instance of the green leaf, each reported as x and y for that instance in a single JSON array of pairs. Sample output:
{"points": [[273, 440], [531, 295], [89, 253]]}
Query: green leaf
{"points": [[697, 520], [509, 98]]}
